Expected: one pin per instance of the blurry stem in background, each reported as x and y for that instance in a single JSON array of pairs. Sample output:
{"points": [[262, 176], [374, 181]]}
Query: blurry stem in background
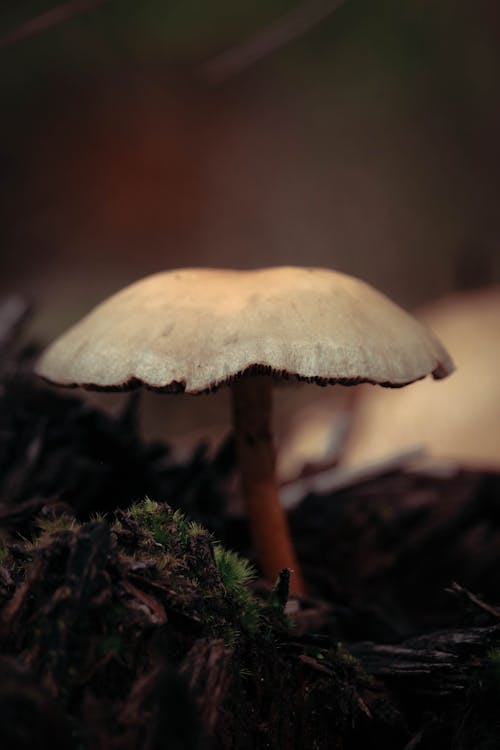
{"points": [[284, 30], [48, 20]]}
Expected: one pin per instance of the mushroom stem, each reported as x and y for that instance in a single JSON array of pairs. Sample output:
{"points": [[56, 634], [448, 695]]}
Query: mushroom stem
{"points": [[252, 407]]}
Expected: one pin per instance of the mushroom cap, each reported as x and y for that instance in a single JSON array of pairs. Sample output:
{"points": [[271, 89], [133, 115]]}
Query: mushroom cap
{"points": [[195, 329]]}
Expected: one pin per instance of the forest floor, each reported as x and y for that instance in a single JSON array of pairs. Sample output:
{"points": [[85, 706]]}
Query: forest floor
{"points": [[130, 617]]}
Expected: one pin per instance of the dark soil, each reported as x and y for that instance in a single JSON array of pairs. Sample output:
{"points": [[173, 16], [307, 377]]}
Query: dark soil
{"points": [[124, 625]]}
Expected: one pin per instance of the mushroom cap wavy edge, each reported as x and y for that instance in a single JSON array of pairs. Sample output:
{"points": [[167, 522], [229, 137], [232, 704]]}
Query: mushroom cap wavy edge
{"points": [[195, 329]]}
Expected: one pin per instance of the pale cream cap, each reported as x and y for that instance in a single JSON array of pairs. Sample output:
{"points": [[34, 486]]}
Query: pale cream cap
{"points": [[194, 329]]}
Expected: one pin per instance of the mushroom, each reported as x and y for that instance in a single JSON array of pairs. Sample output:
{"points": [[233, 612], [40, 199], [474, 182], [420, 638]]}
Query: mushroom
{"points": [[194, 330]]}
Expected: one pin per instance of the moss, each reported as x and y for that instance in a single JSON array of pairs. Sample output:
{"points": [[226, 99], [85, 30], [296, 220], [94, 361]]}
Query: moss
{"points": [[209, 582], [151, 517], [169, 569], [55, 523], [129, 597], [236, 573], [169, 556], [50, 527]]}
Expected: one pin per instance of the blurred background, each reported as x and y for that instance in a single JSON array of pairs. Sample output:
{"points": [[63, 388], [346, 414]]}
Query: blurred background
{"points": [[141, 136]]}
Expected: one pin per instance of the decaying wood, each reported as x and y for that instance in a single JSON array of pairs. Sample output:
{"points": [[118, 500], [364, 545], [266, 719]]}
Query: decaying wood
{"points": [[57, 450], [437, 664], [29, 717], [392, 545], [209, 666], [107, 650]]}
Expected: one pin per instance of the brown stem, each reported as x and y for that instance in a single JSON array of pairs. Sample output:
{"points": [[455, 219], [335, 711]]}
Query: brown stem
{"points": [[252, 405]]}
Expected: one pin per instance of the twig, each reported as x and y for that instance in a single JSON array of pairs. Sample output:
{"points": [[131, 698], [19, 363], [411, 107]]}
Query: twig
{"points": [[336, 479], [458, 590], [266, 41], [48, 20]]}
